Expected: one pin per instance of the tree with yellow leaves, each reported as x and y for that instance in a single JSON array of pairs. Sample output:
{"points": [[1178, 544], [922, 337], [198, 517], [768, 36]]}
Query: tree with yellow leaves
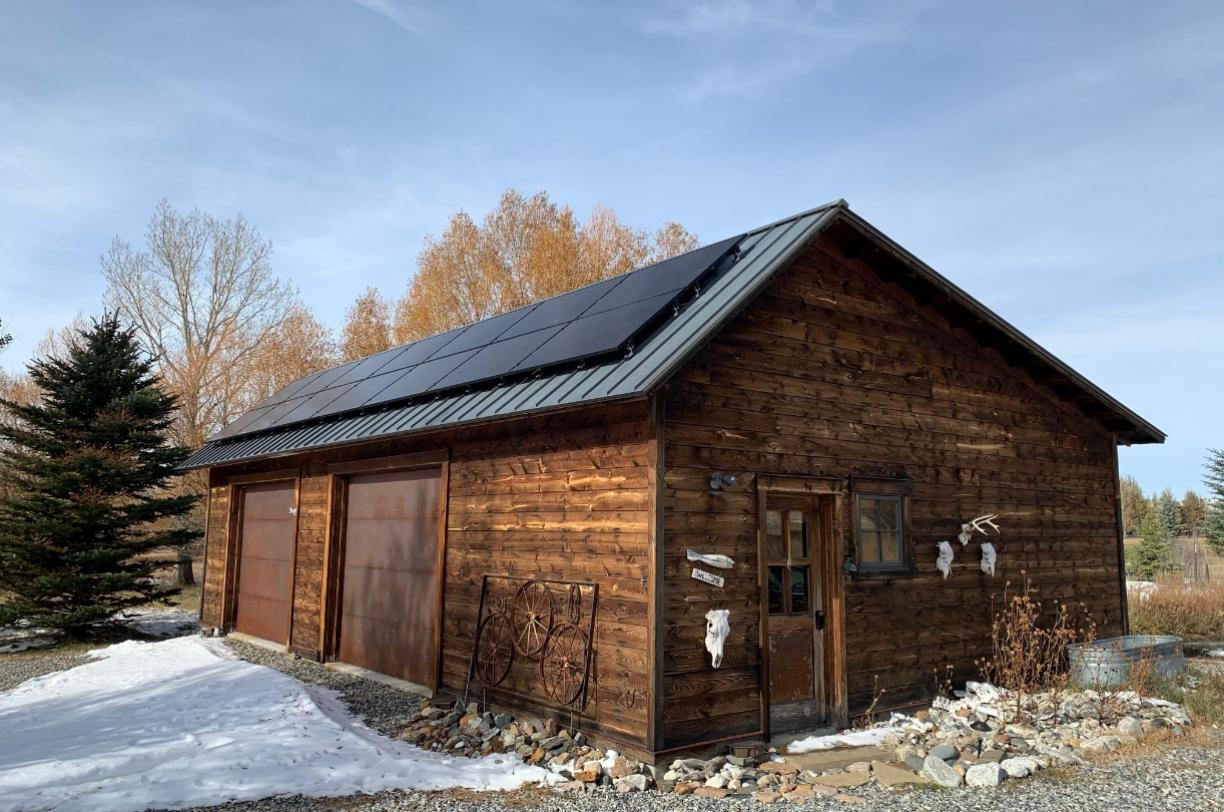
{"points": [[367, 327], [525, 249]]}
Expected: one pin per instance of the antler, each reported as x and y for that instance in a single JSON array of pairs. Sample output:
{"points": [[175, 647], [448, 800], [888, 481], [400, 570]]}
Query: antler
{"points": [[988, 520]]}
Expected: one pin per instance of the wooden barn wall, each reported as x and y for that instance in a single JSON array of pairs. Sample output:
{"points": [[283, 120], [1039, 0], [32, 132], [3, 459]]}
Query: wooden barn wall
{"points": [[564, 497], [832, 372], [214, 557]]}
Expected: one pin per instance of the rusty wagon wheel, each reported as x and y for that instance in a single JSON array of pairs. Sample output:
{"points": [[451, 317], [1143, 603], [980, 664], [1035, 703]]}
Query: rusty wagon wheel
{"points": [[563, 668], [532, 612], [494, 649]]}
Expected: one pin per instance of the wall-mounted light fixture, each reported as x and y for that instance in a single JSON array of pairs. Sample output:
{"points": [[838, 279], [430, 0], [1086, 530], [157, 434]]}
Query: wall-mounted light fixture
{"points": [[718, 481]]}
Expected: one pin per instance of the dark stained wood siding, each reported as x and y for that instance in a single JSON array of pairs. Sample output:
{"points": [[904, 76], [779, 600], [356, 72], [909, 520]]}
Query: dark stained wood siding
{"points": [[565, 496], [308, 584], [214, 557], [833, 372]]}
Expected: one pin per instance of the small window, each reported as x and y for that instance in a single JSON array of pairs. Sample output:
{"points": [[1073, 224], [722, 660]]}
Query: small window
{"points": [[880, 533]]}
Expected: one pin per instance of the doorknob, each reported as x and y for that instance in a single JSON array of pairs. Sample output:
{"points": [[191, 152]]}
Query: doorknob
{"points": [[819, 617]]}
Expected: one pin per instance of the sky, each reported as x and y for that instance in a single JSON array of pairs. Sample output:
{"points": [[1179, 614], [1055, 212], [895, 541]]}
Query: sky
{"points": [[1063, 162]]}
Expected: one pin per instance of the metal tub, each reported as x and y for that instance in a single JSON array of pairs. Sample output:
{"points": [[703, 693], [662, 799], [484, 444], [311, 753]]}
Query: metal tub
{"points": [[1107, 663]]}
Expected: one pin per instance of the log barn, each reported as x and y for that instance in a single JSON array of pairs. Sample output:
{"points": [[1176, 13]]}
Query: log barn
{"points": [[545, 510]]}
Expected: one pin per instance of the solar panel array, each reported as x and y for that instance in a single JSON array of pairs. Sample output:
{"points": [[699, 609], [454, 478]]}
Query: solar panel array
{"points": [[592, 321]]}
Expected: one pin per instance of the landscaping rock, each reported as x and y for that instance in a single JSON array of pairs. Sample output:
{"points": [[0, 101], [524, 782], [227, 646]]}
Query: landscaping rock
{"points": [[842, 779], [944, 751], [890, 775], [938, 771], [984, 775]]}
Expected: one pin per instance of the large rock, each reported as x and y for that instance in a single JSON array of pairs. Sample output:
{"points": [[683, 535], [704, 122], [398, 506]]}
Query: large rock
{"points": [[944, 751], [984, 775], [1130, 726], [940, 772], [779, 768], [1020, 766], [631, 783]]}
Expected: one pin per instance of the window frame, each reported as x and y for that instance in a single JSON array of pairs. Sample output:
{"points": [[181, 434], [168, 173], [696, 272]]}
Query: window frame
{"points": [[868, 569]]}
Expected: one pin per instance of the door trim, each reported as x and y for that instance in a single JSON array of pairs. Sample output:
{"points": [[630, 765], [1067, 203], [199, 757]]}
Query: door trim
{"points": [[333, 554], [832, 583]]}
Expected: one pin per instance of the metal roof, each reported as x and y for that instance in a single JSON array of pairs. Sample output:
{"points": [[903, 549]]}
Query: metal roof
{"points": [[653, 361]]}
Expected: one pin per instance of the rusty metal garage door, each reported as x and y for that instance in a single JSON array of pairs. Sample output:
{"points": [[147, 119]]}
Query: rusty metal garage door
{"points": [[390, 591], [265, 569]]}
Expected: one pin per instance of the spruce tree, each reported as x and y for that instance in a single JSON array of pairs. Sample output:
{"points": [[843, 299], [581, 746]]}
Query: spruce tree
{"points": [[1152, 555], [1169, 511], [1213, 526], [89, 466]]}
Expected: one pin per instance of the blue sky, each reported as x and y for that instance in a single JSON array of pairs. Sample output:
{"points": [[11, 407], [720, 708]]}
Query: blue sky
{"points": [[1063, 162]]}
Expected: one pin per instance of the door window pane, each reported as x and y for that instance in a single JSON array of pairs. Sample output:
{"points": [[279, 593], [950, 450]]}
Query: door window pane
{"points": [[798, 536], [800, 587], [777, 597], [775, 544]]}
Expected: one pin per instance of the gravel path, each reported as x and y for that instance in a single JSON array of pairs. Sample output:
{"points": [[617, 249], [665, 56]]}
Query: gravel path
{"points": [[1186, 777]]}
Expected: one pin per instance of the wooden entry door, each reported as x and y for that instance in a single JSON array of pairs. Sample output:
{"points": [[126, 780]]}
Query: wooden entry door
{"points": [[265, 566], [795, 543], [390, 592]]}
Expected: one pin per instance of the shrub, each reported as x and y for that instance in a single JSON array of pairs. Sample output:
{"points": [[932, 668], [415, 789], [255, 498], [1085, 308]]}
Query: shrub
{"points": [[1194, 611], [1029, 645]]}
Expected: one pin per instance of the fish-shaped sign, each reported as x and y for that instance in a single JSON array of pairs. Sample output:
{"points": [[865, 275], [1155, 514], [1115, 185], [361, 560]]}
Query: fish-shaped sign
{"points": [[712, 559]]}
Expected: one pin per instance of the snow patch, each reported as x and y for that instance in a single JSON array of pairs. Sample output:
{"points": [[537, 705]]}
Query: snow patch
{"points": [[857, 738], [183, 722], [1216, 652]]}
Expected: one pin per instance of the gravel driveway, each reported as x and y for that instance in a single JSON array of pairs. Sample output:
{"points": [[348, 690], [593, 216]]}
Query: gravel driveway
{"points": [[1189, 777]]}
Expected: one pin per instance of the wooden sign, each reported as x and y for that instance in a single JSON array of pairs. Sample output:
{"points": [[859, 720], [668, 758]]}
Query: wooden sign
{"points": [[708, 578]]}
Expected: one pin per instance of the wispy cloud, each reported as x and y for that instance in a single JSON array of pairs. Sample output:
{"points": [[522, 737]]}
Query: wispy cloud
{"points": [[392, 12]]}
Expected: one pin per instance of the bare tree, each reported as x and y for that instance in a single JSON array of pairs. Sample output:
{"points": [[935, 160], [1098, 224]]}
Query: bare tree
{"points": [[203, 297], [367, 326], [526, 249], [299, 346]]}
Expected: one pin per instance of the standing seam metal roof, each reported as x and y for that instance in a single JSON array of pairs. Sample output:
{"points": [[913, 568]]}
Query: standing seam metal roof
{"points": [[654, 360]]}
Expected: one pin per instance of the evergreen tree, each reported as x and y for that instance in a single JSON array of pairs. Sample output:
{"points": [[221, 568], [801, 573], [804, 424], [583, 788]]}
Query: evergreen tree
{"points": [[1213, 526], [1169, 511], [1152, 554], [1214, 479], [1194, 513], [89, 464]]}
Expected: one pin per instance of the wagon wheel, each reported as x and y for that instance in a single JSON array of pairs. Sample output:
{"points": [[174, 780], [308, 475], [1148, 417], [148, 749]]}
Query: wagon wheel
{"points": [[494, 649], [533, 618], [563, 668]]}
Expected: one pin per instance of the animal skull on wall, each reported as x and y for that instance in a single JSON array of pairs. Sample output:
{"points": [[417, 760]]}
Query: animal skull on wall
{"points": [[989, 556], [718, 626], [944, 562]]}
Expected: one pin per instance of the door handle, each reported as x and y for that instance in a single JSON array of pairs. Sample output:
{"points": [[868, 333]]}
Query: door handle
{"points": [[819, 617]]}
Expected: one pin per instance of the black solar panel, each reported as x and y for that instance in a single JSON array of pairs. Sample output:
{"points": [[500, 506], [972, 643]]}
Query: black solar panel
{"points": [[419, 351], [667, 277], [496, 359], [596, 334], [421, 377], [596, 320]]}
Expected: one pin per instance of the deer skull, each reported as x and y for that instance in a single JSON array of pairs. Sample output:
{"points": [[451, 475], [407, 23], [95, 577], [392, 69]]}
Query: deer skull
{"points": [[718, 626]]}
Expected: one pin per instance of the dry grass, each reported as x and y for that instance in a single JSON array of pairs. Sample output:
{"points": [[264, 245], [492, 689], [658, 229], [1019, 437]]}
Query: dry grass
{"points": [[1193, 611]]}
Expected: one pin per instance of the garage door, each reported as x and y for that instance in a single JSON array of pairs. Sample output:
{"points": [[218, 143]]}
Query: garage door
{"points": [[390, 592], [265, 568]]}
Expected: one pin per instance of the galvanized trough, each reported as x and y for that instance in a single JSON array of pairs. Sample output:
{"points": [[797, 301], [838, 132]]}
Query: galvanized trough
{"points": [[1107, 663]]}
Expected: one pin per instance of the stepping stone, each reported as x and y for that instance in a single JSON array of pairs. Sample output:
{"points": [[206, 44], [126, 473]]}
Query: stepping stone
{"points": [[890, 775], [842, 779], [836, 759]]}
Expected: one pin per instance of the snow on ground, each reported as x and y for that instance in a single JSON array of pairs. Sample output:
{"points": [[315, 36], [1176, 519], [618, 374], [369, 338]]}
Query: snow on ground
{"points": [[858, 738], [161, 622], [182, 722], [1216, 652], [1142, 589]]}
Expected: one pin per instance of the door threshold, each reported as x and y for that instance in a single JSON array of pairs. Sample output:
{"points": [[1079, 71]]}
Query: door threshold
{"points": [[243, 637], [374, 676]]}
